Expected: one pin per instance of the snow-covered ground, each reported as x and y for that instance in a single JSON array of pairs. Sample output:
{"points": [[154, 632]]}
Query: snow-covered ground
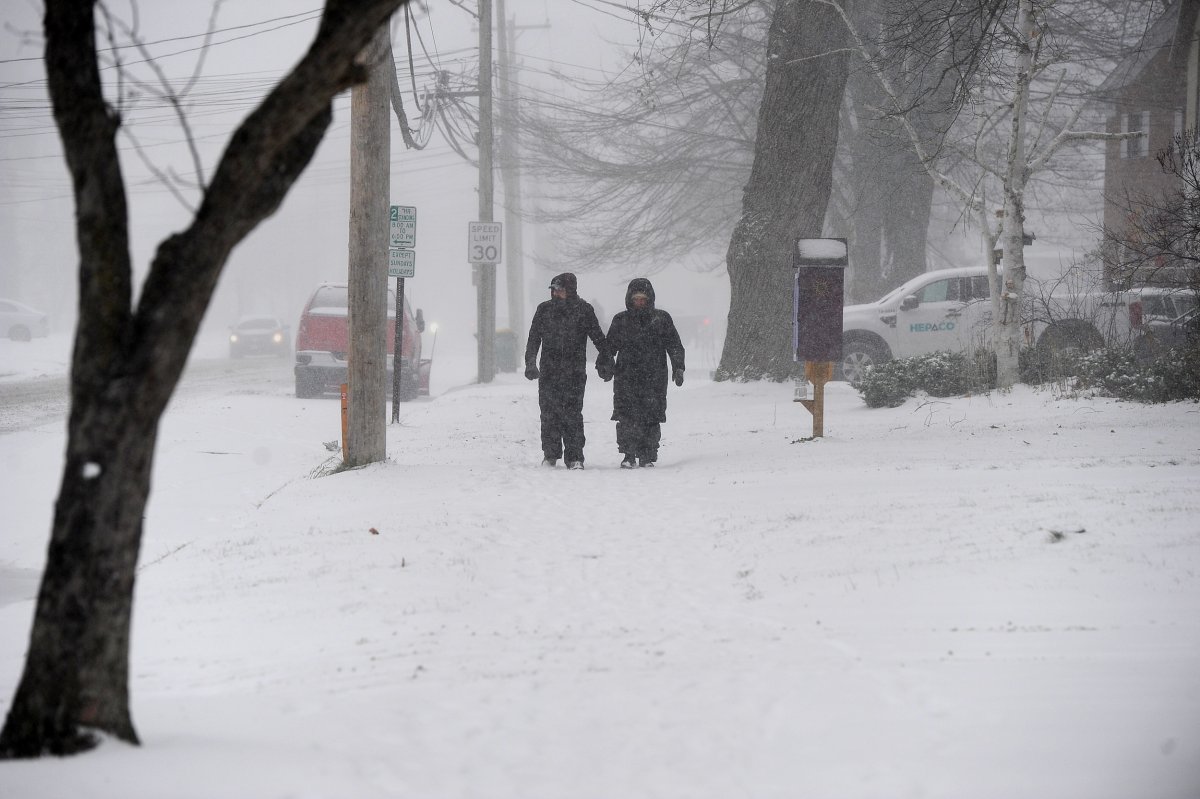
{"points": [[993, 596]]}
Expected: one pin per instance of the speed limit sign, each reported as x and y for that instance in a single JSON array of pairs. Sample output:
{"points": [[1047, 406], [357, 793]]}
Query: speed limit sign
{"points": [[483, 242]]}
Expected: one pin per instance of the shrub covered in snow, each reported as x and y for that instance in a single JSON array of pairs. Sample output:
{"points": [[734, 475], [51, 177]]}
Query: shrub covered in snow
{"points": [[1173, 375], [1109, 372], [938, 374]]}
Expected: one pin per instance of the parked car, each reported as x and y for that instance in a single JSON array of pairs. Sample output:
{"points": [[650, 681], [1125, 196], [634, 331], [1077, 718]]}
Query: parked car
{"points": [[950, 309], [19, 322], [1164, 305], [323, 343], [259, 335], [1158, 336]]}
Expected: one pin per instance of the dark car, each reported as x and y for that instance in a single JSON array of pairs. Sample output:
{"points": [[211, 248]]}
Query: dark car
{"points": [[1159, 336], [259, 335]]}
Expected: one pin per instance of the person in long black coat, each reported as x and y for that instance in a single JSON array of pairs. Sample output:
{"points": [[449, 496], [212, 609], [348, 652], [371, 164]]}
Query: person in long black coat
{"points": [[561, 328], [642, 338]]}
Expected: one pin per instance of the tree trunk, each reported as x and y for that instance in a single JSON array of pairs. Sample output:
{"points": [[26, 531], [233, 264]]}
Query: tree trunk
{"points": [[864, 220], [126, 363], [789, 185], [76, 673], [894, 197], [906, 221], [1008, 319]]}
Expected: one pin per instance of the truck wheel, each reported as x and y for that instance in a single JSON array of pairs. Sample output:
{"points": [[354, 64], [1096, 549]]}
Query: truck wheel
{"points": [[1061, 344], [856, 357]]}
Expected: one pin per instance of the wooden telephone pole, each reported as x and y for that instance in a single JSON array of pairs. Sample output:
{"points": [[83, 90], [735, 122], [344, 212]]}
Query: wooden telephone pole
{"points": [[370, 164], [486, 276], [510, 171]]}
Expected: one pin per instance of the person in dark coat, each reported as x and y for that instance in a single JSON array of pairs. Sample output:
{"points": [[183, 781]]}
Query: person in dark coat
{"points": [[561, 328], [642, 338]]}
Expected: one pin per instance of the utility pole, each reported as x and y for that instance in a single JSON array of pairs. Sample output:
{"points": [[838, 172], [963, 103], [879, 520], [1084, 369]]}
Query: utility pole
{"points": [[370, 163], [486, 276], [510, 170]]}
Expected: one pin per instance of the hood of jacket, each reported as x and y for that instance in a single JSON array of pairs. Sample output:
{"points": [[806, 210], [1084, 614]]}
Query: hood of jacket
{"points": [[569, 282], [639, 285]]}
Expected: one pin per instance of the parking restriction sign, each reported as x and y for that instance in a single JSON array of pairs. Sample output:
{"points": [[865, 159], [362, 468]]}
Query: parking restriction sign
{"points": [[403, 228], [402, 263]]}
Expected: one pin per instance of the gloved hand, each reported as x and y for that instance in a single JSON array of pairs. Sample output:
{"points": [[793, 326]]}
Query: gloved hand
{"points": [[605, 371], [677, 376], [532, 373]]}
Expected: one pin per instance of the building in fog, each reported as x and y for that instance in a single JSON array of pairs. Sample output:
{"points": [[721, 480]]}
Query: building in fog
{"points": [[1154, 90]]}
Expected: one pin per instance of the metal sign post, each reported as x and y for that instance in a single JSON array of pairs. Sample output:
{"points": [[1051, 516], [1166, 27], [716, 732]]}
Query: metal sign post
{"points": [[402, 263], [817, 299], [484, 240]]}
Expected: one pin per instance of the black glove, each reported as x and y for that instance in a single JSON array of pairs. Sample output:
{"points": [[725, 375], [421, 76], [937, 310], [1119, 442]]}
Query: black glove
{"points": [[605, 371], [677, 376], [532, 373]]}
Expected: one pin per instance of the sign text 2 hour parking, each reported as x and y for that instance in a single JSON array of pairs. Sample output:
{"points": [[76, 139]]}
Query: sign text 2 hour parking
{"points": [[402, 226]]}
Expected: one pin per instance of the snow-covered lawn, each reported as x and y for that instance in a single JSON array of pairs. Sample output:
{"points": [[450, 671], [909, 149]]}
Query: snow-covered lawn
{"points": [[993, 596]]}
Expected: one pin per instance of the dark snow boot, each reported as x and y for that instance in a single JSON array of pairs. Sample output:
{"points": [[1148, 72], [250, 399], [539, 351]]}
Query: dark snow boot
{"points": [[551, 462], [629, 462]]}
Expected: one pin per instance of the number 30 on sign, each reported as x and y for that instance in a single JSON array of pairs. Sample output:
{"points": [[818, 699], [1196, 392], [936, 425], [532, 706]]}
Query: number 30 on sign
{"points": [[483, 242]]}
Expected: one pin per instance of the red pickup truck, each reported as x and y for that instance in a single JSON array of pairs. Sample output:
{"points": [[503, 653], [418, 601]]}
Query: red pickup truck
{"points": [[323, 343]]}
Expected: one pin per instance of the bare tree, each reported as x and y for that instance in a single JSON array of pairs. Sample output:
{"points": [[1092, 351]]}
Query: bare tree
{"points": [[128, 358], [876, 163], [646, 169], [789, 186], [1023, 94]]}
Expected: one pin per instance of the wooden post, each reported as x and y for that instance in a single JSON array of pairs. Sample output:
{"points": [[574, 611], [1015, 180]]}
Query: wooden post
{"points": [[345, 422], [818, 373], [366, 277], [486, 300]]}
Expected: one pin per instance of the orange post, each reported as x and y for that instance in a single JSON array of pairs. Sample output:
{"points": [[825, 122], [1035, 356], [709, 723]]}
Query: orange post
{"points": [[818, 373], [345, 420]]}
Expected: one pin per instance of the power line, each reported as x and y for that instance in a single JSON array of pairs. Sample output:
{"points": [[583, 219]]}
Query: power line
{"points": [[308, 15]]}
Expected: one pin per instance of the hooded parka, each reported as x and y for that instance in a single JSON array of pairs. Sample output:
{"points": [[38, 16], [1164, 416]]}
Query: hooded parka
{"points": [[560, 330], [642, 340]]}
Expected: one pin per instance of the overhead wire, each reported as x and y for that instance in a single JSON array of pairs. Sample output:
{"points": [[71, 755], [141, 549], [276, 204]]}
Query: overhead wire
{"points": [[217, 95]]}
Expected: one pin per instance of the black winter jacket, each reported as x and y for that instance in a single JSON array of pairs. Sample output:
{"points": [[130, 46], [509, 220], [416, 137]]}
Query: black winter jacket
{"points": [[561, 329], [642, 340]]}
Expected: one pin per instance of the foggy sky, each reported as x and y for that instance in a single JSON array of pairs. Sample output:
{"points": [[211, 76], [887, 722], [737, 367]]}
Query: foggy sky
{"points": [[275, 269]]}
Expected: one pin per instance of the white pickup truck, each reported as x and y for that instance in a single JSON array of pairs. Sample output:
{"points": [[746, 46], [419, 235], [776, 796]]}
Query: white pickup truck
{"points": [[951, 309]]}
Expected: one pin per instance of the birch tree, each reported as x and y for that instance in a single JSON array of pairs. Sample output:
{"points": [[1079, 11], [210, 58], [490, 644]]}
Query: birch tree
{"points": [[128, 357], [1017, 49]]}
